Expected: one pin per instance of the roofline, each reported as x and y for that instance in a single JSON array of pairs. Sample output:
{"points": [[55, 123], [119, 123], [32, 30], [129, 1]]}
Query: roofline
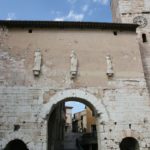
{"points": [[70, 107], [67, 24]]}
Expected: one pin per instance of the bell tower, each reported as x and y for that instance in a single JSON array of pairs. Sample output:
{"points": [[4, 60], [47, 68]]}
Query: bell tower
{"points": [[137, 12], [131, 11]]}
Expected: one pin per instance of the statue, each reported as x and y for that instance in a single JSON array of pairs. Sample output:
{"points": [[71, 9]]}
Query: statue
{"points": [[37, 63], [74, 65], [110, 71]]}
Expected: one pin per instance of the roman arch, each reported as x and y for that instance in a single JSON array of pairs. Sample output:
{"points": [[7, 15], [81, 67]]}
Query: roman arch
{"points": [[81, 96]]}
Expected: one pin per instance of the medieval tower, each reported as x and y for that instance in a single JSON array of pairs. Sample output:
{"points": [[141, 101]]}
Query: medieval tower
{"points": [[138, 12]]}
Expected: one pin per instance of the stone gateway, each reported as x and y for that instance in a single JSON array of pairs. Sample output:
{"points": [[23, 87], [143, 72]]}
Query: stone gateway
{"points": [[103, 65]]}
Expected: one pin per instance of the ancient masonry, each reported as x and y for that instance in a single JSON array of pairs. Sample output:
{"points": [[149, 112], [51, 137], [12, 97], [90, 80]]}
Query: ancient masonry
{"points": [[103, 65], [138, 12]]}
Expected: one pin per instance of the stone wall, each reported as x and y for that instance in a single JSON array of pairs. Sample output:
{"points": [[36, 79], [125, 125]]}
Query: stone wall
{"points": [[120, 103], [125, 112], [124, 11], [17, 54]]}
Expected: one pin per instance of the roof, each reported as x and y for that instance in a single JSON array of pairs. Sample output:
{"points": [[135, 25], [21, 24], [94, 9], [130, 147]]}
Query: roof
{"points": [[67, 24], [69, 107]]}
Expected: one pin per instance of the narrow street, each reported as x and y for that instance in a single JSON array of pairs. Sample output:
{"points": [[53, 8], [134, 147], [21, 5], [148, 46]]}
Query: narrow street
{"points": [[70, 140]]}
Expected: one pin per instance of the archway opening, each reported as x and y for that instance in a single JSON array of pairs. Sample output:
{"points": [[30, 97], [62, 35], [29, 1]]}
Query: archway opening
{"points": [[16, 145], [129, 143], [68, 130]]}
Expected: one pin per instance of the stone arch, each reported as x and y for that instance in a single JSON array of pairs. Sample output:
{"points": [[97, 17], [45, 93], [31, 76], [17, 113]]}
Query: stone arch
{"points": [[133, 134], [16, 144], [20, 136], [130, 133], [129, 143], [75, 95], [82, 96]]}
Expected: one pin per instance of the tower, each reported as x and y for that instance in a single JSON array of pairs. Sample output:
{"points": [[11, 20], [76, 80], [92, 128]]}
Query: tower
{"points": [[127, 11], [137, 12]]}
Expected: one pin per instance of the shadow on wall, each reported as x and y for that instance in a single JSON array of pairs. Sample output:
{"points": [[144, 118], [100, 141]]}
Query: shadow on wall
{"points": [[16, 145]]}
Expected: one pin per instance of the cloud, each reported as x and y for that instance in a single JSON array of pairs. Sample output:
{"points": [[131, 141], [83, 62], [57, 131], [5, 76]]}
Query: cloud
{"points": [[72, 1], [85, 8], [103, 2], [59, 19], [11, 16], [72, 16]]}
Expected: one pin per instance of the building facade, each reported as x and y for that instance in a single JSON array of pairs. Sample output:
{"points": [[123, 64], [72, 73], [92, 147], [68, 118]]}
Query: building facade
{"points": [[103, 65], [84, 121], [80, 122], [68, 121]]}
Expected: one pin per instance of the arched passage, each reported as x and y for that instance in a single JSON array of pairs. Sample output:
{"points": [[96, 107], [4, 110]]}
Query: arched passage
{"points": [[16, 145], [58, 138], [129, 143], [49, 111]]}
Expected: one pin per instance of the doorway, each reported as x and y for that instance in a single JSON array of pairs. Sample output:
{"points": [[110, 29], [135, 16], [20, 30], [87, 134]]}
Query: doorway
{"points": [[129, 143], [68, 133], [16, 145]]}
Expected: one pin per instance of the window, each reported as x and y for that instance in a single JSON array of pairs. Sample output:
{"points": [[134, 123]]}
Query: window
{"points": [[115, 33], [144, 38], [30, 31]]}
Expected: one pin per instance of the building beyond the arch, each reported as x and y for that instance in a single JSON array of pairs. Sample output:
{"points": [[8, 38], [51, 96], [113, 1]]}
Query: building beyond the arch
{"points": [[45, 62]]}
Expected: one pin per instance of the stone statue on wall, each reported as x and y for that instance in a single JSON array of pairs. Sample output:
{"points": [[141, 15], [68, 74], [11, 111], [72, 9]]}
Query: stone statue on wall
{"points": [[110, 71], [37, 63], [74, 65]]}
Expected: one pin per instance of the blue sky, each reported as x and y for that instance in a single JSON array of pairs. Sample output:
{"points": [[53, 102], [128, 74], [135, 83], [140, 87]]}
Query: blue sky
{"points": [[77, 107], [59, 10]]}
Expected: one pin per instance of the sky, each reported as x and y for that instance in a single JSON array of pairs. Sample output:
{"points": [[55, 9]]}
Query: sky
{"points": [[56, 10], [77, 107]]}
